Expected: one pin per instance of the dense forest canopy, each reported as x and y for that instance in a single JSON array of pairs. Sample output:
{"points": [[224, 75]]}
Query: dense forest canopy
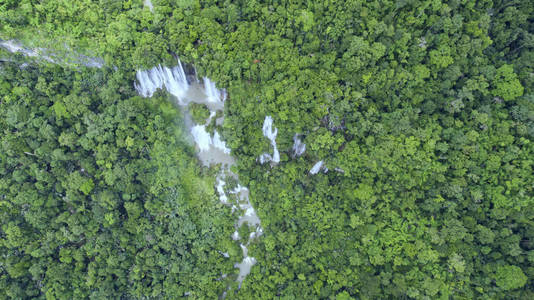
{"points": [[421, 110], [101, 195]]}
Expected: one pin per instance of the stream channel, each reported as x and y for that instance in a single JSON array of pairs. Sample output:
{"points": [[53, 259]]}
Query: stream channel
{"points": [[212, 150]]}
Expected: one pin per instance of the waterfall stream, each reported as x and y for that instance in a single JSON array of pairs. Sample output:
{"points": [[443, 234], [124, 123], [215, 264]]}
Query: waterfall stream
{"points": [[212, 150], [148, 4], [41, 53]]}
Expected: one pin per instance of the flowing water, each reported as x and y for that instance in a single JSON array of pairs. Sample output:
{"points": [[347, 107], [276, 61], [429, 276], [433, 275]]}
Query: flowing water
{"points": [[148, 4], [211, 148], [271, 134], [42, 53], [298, 146], [15, 47], [317, 167]]}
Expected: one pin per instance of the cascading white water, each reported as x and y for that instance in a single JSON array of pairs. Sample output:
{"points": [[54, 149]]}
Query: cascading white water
{"points": [[219, 144], [298, 146], [173, 80], [212, 92], [211, 148], [202, 137], [204, 140], [270, 133], [245, 265], [148, 4], [220, 190], [317, 167], [268, 130]]}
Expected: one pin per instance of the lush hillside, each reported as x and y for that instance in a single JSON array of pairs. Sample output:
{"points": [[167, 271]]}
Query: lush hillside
{"points": [[422, 112], [102, 196]]}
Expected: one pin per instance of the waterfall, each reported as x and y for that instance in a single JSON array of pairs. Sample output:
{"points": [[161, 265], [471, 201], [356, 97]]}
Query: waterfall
{"points": [[220, 190], [204, 140], [211, 90], [173, 80], [202, 137], [212, 150], [269, 133], [219, 144], [298, 146], [245, 265], [316, 168]]}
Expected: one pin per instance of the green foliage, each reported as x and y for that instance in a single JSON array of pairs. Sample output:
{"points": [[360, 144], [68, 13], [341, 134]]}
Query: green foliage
{"points": [[506, 84], [510, 277], [423, 112], [199, 112], [101, 197]]}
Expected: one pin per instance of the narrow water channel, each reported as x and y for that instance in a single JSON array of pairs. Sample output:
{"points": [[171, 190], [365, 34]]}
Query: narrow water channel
{"points": [[211, 148]]}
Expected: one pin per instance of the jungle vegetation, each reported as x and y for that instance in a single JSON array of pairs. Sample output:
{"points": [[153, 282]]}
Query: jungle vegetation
{"points": [[422, 110]]}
